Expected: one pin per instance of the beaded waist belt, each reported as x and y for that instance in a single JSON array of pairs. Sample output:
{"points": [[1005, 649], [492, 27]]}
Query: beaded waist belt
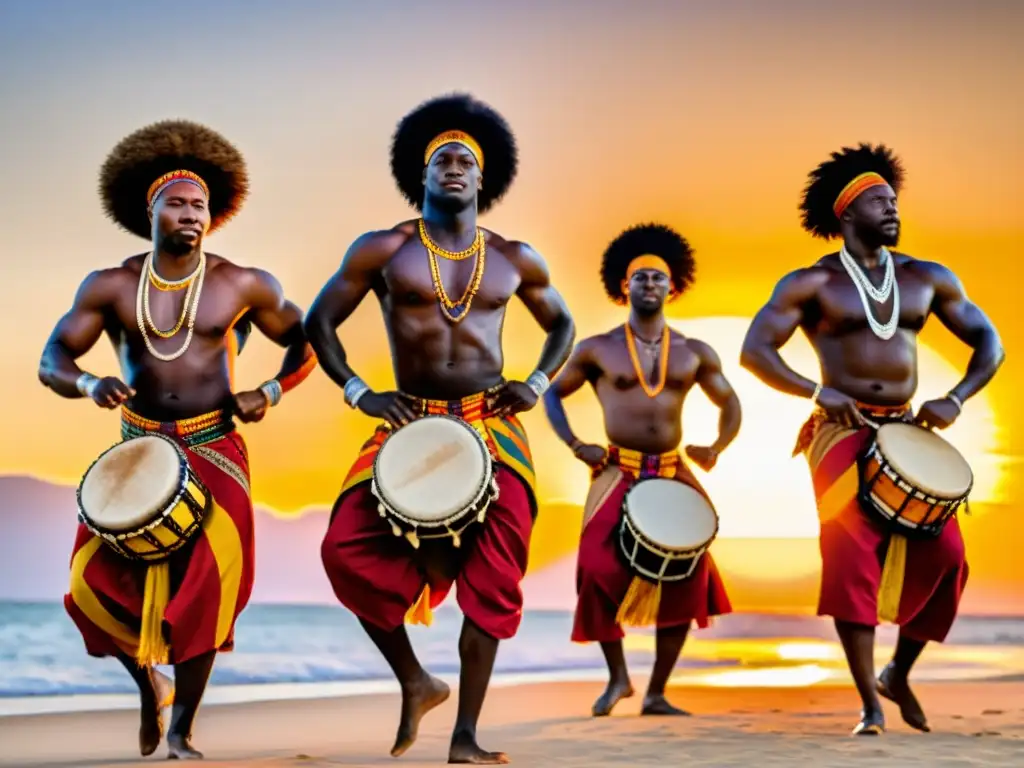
{"points": [[194, 431], [641, 465]]}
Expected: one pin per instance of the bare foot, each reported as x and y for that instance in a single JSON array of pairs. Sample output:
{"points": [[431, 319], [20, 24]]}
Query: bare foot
{"points": [[872, 723], [151, 727], [658, 705], [179, 748], [612, 695], [896, 689], [465, 750], [417, 699]]}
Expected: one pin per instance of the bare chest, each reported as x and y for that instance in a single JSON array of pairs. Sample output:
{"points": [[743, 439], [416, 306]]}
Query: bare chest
{"points": [[621, 369], [412, 279], [840, 308], [210, 312]]}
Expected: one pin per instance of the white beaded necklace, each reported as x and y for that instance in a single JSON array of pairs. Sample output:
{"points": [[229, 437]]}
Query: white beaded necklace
{"points": [[880, 295]]}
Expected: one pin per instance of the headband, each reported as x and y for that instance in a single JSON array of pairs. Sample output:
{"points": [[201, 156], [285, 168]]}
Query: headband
{"points": [[647, 261], [851, 191], [174, 177], [455, 137]]}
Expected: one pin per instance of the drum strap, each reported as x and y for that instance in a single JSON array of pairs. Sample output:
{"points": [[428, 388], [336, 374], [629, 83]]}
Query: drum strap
{"points": [[153, 649]]}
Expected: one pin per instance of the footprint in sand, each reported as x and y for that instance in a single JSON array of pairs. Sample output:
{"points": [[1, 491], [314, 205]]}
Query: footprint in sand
{"points": [[992, 712]]}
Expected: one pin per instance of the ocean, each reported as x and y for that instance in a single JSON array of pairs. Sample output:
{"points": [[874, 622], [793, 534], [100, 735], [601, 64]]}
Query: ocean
{"points": [[289, 647]]}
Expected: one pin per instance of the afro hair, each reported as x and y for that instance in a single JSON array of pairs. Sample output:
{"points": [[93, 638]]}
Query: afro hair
{"points": [[454, 112], [827, 180], [655, 239], [142, 157]]}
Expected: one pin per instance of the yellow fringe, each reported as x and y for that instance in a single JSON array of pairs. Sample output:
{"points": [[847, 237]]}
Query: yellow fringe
{"points": [[419, 612], [639, 607], [153, 649], [891, 587]]}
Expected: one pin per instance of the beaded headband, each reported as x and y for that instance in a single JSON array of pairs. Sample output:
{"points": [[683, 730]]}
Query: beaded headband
{"points": [[174, 177], [852, 190], [455, 137], [647, 261]]}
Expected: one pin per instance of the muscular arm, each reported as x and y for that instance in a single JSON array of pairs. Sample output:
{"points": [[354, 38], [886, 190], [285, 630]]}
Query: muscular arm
{"points": [[773, 326], [575, 374], [968, 323], [280, 321], [547, 307], [76, 333], [712, 381], [340, 297]]}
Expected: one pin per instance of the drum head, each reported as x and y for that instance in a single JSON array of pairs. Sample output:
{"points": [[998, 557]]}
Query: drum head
{"points": [[431, 468], [925, 460], [671, 513], [130, 482]]}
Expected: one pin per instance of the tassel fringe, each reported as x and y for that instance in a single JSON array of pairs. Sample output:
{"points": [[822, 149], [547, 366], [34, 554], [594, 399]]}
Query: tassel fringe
{"points": [[639, 607], [153, 649], [891, 587], [420, 611]]}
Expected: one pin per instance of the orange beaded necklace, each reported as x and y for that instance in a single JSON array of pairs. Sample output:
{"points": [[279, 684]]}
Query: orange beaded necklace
{"points": [[662, 362]]}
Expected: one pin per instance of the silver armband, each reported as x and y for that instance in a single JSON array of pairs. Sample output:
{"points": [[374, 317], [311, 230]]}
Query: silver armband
{"points": [[272, 391], [354, 389], [956, 400], [86, 384], [538, 381]]}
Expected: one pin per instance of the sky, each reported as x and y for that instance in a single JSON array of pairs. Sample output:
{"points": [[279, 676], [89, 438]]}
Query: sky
{"points": [[705, 116]]}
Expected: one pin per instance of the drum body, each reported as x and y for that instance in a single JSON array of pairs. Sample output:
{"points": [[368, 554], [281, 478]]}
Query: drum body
{"points": [[913, 480], [143, 499], [433, 478], [666, 528]]}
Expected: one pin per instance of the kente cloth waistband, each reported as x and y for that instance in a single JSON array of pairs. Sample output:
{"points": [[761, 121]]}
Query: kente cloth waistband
{"points": [[641, 465], [197, 430], [876, 413], [471, 408]]}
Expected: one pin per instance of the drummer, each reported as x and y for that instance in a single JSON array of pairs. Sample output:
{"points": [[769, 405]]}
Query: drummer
{"points": [[862, 309], [172, 184], [453, 158], [641, 372]]}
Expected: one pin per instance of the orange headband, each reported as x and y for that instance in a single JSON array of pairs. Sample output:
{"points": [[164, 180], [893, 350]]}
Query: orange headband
{"points": [[647, 261], [455, 137], [173, 177], [850, 192]]}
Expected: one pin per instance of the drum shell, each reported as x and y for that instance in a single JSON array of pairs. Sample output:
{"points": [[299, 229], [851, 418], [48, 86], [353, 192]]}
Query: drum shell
{"points": [[170, 527], [892, 500], [646, 558]]}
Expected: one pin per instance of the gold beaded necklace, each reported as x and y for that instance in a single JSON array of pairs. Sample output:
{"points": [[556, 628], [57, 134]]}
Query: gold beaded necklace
{"points": [[455, 311], [662, 363], [190, 309]]}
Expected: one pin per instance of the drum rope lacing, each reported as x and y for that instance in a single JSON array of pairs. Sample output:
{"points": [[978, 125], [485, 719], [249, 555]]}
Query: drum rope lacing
{"points": [[880, 295]]}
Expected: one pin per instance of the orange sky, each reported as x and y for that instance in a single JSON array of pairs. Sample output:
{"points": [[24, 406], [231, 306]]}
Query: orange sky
{"points": [[706, 117]]}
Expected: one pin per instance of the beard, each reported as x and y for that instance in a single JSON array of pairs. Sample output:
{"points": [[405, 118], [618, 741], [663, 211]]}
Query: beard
{"points": [[874, 236], [176, 244]]}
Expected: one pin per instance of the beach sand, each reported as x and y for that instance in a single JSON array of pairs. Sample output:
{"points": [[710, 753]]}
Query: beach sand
{"points": [[974, 724]]}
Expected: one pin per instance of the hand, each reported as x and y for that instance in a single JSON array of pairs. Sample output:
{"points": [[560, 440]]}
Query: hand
{"points": [[841, 408], [110, 392], [937, 414], [395, 407], [513, 397], [703, 456], [250, 406], [590, 454]]}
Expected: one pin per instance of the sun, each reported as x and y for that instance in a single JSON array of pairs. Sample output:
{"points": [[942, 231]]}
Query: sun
{"points": [[760, 490]]}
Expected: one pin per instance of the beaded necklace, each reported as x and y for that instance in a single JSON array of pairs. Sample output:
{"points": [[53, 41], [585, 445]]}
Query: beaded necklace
{"points": [[662, 363], [455, 311]]}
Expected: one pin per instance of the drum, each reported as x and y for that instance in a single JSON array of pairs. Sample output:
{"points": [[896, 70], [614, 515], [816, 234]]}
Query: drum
{"points": [[142, 498], [666, 528], [913, 480], [433, 478]]}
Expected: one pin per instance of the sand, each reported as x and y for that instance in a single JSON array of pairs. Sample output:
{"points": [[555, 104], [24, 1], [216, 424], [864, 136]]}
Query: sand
{"points": [[974, 724]]}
